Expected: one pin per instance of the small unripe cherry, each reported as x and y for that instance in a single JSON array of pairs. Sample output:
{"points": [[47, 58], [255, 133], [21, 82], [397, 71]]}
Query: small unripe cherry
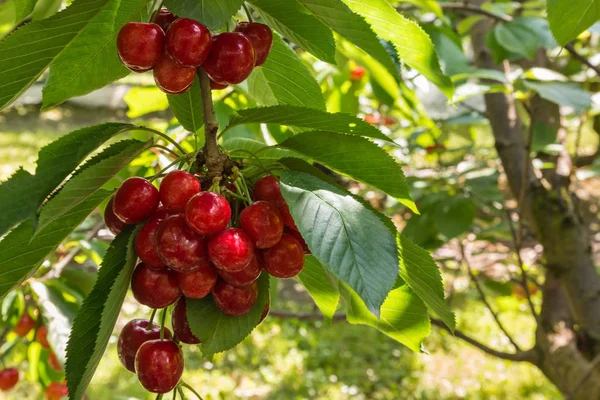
{"points": [[171, 77], [41, 336], [263, 223], [159, 365], [285, 259], [113, 223], [261, 37], [231, 58], [188, 42], [235, 300], [132, 336], [56, 391], [207, 213], [164, 18], [181, 324], [231, 250], [140, 45], [25, 325], [176, 189], [154, 288], [179, 247], [244, 277], [144, 245], [136, 200], [198, 283], [9, 377]]}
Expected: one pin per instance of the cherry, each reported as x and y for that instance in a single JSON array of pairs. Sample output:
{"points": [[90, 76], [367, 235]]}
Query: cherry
{"points": [[178, 246], [284, 210], [144, 245], [357, 73], [261, 37], [244, 277], [285, 259], [198, 283], [136, 200], [41, 336], [217, 86], [207, 213], [181, 325], [235, 300], [159, 365], [9, 377], [371, 119], [171, 77], [160, 213], [231, 250], [154, 288], [231, 58], [53, 362], [140, 45], [298, 237], [25, 325], [266, 188], [163, 18], [188, 42], [389, 121], [263, 223], [132, 336], [176, 189], [56, 391], [113, 223]]}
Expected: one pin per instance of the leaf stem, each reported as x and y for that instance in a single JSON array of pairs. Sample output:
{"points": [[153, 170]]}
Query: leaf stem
{"points": [[248, 12], [164, 136]]}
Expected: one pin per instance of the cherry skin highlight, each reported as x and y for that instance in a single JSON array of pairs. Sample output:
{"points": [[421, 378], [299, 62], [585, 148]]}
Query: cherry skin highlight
{"points": [[235, 300], [231, 58], [41, 336], [9, 377], [198, 283], [132, 336], [261, 37], [144, 245], [25, 325], [180, 248], [231, 250], [263, 223], [181, 325], [164, 18], [171, 77], [207, 213], [159, 365], [154, 288], [244, 277], [135, 201], [188, 42], [176, 189], [285, 259], [140, 45], [113, 223]]}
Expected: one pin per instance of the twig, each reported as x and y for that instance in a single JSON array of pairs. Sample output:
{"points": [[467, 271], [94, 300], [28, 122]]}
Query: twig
{"points": [[571, 49]]}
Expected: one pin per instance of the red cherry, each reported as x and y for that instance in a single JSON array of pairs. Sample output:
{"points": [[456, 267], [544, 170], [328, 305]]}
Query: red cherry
{"points": [[198, 283], [235, 300], [154, 288], [164, 18], [9, 377], [181, 325], [160, 213], [25, 325], [144, 245], [171, 77], [284, 210], [371, 119], [159, 365], [263, 223], [178, 246], [357, 73], [135, 201], [285, 259], [389, 121], [267, 189], [207, 213], [176, 189], [231, 250], [299, 238], [188, 42], [132, 336], [113, 223], [140, 45], [53, 362], [231, 58], [217, 86], [261, 37], [56, 391], [41, 336], [244, 277]]}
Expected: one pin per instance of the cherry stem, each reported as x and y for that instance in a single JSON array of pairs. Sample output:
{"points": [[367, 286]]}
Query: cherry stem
{"points": [[233, 194], [168, 150], [151, 320], [163, 318], [164, 136], [248, 12], [181, 394], [240, 189], [159, 396], [175, 394], [191, 389]]}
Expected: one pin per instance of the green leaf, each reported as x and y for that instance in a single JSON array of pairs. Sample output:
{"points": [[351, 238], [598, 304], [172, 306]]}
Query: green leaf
{"points": [[314, 278], [452, 58], [284, 79], [90, 178], [541, 28], [428, 5], [340, 233], [243, 148], [187, 107], [563, 93], [23, 8], [412, 43], [212, 13], [295, 23], [23, 193], [337, 15], [453, 216], [218, 331], [145, 100], [98, 314], [517, 38], [306, 118], [356, 157], [21, 255], [568, 18]]}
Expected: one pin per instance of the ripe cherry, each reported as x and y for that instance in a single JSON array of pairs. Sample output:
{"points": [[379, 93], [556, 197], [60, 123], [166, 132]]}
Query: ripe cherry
{"points": [[159, 365], [160, 213], [132, 336], [178, 246], [357, 73], [144, 245], [181, 325], [371, 119], [231, 58], [41, 336], [188, 42], [217, 86], [25, 324], [113, 223], [198, 283], [244, 277], [263, 223], [284, 210], [154, 288], [267, 189], [299, 238], [171, 77], [235, 300], [176, 189], [231, 250], [56, 391], [136, 200], [207, 213], [164, 18], [140, 45], [53, 362], [9, 377], [261, 37], [285, 259]]}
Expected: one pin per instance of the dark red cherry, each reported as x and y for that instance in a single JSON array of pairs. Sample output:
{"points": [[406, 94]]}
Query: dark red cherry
{"points": [[144, 245], [140, 45], [136, 200], [299, 238], [261, 37], [154, 288], [171, 77], [179, 247], [176, 189], [207, 213], [231, 58], [231, 250], [263, 223], [159, 365], [284, 210], [235, 300], [181, 325], [198, 283], [9, 377], [164, 18], [113, 223], [244, 277], [266, 188], [25, 324], [41, 336], [217, 86], [285, 259], [132, 336], [56, 391], [54, 363], [160, 213], [188, 42]]}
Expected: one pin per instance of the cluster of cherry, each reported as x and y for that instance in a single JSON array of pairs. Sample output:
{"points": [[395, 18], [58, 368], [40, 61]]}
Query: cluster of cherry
{"points": [[228, 58], [189, 248]]}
